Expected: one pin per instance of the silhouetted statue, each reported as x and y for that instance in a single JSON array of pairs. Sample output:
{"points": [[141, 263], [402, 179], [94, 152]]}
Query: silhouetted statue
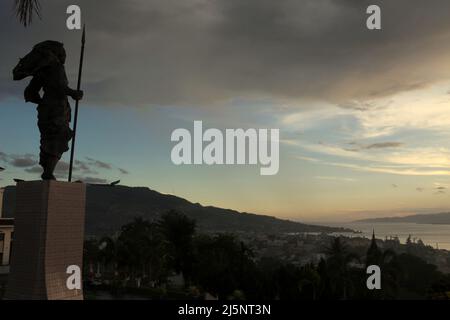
{"points": [[45, 63]]}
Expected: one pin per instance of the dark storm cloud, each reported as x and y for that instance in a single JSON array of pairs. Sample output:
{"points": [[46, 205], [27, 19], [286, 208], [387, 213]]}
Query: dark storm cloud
{"points": [[171, 52]]}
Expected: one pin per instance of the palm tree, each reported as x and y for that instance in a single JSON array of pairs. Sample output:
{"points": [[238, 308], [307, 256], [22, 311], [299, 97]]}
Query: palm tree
{"points": [[391, 271], [178, 231], [310, 281], [25, 9], [135, 247], [338, 267]]}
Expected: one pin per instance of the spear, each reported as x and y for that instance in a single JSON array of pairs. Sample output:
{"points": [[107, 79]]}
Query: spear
{"points": [[80, 71]]}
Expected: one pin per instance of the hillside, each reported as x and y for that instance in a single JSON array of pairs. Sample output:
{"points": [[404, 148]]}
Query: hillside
{"points": [[436, 218], [108, 208]]}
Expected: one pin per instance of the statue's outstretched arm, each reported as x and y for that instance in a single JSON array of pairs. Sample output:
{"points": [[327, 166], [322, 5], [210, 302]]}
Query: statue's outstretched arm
{"points": [[31, 93], [62, 86], [75, 94]]}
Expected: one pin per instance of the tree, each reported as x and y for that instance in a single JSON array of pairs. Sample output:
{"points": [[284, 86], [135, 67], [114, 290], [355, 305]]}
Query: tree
{"points": [[416, 276], [374, 254], [409, 241], [90, 256], [409, 245], [107, 253], [25, 9], [223, 267], [390, 269], [178, 231], [140, 250], [386, 260], [338, 268], [309, 282]]}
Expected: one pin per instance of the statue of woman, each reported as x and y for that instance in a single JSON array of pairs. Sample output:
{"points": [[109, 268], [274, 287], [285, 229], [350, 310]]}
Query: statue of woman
{"points": [[45, 64]]}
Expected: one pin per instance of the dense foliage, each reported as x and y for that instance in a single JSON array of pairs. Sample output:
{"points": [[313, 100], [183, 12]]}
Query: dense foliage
{"points": [[145, 257]]}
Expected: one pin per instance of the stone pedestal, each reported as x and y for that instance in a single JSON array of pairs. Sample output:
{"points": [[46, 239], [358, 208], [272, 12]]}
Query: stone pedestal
{"points": [[48, 238]]}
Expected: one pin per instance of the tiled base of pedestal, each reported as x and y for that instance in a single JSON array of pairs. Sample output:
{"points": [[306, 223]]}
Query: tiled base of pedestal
{"points": [[48, 238]]}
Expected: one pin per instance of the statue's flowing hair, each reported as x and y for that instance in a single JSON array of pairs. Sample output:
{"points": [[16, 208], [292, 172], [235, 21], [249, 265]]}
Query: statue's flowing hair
{"points": [[25, 9]]}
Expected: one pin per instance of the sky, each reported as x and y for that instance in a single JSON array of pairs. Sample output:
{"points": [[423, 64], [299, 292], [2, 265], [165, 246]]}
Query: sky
{"points": [[364, 116]]}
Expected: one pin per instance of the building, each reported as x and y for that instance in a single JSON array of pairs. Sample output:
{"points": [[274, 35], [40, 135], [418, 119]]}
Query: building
{"points": [[6, 234]]}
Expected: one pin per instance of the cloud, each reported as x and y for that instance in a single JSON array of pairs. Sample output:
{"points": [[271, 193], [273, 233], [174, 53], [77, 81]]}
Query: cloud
{"points": [[427, 158], [86, 170], [92, 180], [204, 52], [440, 188], [19, 160], [331, 178], [379, 145], [61, 170], [377, 167], [358, 105], [99, 164], [22, 161], [35, 169], [382, 145], [409, 136], [81, 165]]}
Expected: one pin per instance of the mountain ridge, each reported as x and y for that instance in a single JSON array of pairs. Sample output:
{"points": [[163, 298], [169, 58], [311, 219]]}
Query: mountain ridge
{"points": [[431, 218], [108, 208]]}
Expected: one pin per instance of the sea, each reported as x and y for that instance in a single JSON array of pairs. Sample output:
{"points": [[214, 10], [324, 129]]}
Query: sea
{"points": [[435, 235]]}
